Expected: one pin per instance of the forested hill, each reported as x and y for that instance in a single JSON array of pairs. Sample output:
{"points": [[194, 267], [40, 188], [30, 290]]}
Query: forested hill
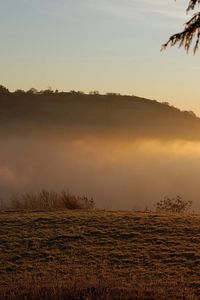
{"points": [[91, 114]]}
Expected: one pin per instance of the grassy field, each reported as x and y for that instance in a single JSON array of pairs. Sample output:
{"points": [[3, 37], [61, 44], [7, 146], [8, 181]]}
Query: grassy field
{"points": [[141, 254]]}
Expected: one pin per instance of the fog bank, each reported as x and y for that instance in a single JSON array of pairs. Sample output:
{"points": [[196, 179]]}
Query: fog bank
{"points": [[118, 173]]}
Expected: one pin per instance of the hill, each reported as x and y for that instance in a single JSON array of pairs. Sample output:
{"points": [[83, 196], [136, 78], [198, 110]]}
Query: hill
{"points": [[78, 113]]}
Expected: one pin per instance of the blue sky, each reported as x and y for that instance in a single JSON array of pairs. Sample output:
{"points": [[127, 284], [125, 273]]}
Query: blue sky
{"points": [[105, 45]]}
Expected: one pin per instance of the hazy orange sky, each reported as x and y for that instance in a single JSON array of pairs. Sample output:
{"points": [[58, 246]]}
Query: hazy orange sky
{"points": [[105, 45]]}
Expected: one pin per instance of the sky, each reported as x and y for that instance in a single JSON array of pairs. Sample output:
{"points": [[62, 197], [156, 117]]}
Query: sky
{"points": [[104, 45]]}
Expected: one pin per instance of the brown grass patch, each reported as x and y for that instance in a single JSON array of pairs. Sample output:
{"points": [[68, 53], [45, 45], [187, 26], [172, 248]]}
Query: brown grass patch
{"points": [[94, 287], [110, 254]]}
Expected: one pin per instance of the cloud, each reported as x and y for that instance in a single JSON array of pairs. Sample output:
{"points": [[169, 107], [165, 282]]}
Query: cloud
{"points": [[118, 8], [167, 9], [127, 8]]}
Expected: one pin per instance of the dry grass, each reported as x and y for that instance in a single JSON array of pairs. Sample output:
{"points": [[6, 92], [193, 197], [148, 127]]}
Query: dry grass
{"points": [[114, 254], [47, 200], [94, 287]]}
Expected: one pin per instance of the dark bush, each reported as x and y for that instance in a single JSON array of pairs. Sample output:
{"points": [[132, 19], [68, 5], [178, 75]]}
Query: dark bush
{"points": [[4, 90], [173, 205]]}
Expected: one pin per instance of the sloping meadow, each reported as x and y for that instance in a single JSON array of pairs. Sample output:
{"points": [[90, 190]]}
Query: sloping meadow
{"points": [[113, 254]]}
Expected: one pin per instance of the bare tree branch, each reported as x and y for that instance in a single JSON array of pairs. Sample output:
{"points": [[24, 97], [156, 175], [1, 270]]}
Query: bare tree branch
{"points": [[192, 4], [190, 32]]}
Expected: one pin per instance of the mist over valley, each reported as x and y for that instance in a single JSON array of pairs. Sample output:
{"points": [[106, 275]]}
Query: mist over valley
{"points": [[124, 151]]}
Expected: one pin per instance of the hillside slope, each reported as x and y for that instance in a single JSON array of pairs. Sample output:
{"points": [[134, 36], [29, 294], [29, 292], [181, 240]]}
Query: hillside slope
{"points": [[91, 114]]}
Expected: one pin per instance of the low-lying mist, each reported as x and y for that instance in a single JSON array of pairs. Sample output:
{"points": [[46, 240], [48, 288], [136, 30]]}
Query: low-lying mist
{"points": [[119, 173]]}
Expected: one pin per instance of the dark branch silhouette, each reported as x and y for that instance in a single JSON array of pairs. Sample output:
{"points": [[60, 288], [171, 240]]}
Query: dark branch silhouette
{"points": [[191, 31]]}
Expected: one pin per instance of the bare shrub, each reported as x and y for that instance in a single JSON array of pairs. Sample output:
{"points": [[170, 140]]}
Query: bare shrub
{"points": [[173, 205], [49, 200], [74, 202]]}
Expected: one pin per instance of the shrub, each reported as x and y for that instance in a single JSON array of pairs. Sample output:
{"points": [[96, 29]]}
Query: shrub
{"points": [[4, 90], [48, 200], [74, 202], [94, 93], [173, 205]]}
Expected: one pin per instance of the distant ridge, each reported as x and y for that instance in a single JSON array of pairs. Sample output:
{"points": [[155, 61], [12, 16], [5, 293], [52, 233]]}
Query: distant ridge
{"points": [[79, 113]]}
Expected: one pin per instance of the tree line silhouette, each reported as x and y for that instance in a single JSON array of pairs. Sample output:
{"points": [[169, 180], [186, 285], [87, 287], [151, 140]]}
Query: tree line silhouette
{"points": [[33, 91]]}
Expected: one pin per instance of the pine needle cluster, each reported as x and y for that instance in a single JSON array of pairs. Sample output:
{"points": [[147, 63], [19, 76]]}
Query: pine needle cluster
{"points": [[190, 33]]}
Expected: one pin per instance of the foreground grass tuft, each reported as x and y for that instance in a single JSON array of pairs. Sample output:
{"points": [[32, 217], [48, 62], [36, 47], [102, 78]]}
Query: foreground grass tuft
{"points": [[95, 288], [48, 200]]}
